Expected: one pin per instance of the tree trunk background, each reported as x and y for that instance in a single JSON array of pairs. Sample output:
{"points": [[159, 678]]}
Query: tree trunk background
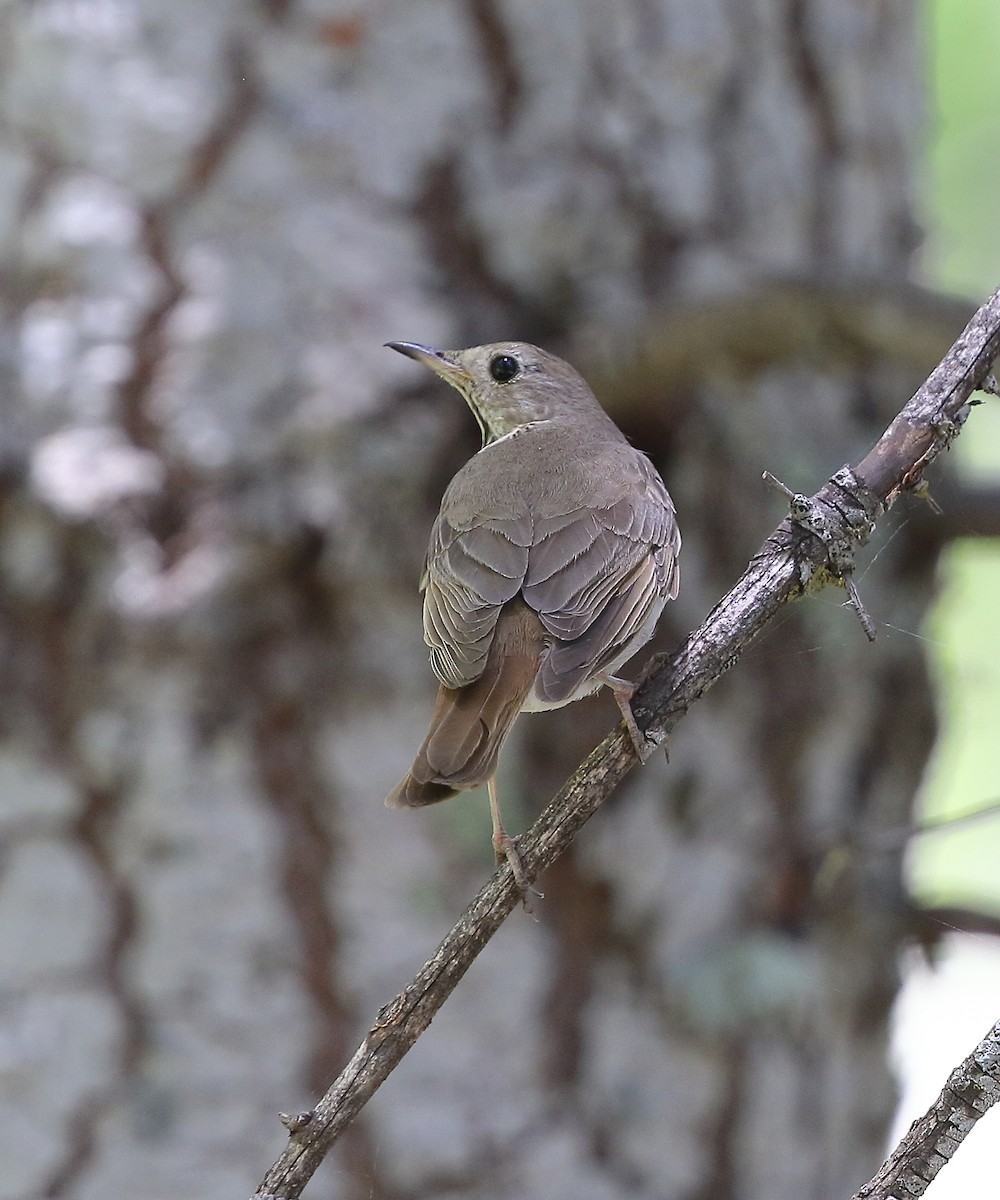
{"points": [[217, 488]]}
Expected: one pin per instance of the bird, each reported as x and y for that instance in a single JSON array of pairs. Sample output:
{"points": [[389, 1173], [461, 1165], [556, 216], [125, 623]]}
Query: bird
{"points": [[550, 561]]}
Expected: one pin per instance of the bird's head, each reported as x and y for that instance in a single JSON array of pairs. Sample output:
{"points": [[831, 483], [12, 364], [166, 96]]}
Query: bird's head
{"points": [[508, 385]]}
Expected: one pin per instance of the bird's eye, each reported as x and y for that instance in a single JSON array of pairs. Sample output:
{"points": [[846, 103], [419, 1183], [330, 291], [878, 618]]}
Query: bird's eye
{"points": [[504, 367]]}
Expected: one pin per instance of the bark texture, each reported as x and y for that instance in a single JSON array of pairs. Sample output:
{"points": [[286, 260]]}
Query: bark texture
{"points": [[216, 489]]}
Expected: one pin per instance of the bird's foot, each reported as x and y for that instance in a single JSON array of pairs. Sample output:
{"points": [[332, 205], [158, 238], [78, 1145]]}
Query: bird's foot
{"points": [[623, 690], [506, 851], [505, 848]]}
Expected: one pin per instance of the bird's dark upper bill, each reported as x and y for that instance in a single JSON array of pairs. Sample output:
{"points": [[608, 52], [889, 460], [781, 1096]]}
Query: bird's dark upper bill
{"points": [[435, 359], [413, 350]]}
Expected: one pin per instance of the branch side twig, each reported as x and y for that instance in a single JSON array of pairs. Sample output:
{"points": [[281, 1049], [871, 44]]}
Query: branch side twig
{"points": [[791, 562]]}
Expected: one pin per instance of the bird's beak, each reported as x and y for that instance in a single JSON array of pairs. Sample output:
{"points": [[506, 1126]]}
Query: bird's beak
{"points": [[439, 361]]}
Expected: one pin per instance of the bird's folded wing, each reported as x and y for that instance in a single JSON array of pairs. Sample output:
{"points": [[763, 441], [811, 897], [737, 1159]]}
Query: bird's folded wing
{"points": [[595, 581], [468, 577]]}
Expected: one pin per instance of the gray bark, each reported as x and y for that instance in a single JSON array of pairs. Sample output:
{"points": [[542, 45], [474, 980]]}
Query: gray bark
{"points": [[216, 493]]}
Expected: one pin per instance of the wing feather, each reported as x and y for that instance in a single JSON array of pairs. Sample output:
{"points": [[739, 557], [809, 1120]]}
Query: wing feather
{"points": [[569, 664], [468, 576]]}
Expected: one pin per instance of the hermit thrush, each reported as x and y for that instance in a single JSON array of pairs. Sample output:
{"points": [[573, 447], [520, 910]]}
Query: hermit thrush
{"points": [[549, 564]]}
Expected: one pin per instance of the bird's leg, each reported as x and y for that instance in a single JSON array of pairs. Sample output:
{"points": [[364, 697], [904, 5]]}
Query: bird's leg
{"points": [[503, 843], [623, 691]]}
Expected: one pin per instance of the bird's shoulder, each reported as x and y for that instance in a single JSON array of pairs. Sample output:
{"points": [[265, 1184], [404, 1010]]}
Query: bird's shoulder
{"points": [[548, 469]]}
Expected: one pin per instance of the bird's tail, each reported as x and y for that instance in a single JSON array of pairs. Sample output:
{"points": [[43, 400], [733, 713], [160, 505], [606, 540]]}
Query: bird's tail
{"points": [[470, 724]]}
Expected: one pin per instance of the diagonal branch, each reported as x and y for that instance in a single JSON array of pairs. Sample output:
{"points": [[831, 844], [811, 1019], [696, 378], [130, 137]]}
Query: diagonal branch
{"points": [[972, 1088], [807, 551]]}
